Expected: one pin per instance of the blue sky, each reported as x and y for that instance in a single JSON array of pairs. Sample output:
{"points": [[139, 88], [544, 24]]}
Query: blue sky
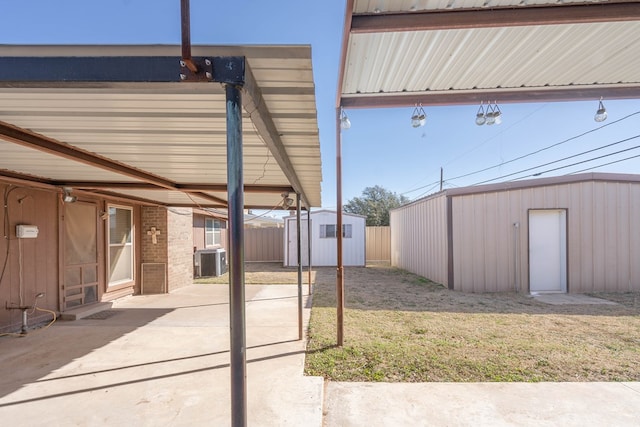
{"points": [[381, 148]]}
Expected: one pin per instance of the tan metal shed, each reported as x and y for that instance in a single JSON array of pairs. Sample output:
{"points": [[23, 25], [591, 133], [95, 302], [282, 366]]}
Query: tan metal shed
{"points": [[577, 233]]}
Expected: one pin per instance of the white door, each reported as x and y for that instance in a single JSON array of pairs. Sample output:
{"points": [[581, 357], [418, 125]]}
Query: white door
{"points": [[292, 244], [548, 250]]}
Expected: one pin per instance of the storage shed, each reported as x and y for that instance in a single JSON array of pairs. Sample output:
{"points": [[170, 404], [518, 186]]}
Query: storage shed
{"points": [[323, 239], [577, 234]]}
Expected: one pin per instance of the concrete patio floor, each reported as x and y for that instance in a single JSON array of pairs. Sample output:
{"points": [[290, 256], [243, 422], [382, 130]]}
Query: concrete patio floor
{"points": [[162, 360]]}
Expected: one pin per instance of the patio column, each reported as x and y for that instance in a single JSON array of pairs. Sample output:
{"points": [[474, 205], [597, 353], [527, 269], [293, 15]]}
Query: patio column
{"points": [[298, 220], [236, 256]]}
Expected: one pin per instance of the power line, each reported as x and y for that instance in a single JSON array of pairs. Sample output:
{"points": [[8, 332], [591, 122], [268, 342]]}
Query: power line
{"points": [[525, 155], [572, 164], [605, 164], [566, 158]]}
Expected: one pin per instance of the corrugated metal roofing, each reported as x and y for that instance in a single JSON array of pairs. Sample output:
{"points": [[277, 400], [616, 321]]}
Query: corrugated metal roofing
{"points": [[390, 58], [175, 131]]}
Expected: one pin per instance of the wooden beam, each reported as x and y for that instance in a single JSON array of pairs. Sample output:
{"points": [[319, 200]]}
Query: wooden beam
{"points": [[500, 17]]}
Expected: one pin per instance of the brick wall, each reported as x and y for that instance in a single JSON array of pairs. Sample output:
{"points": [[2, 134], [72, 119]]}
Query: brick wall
{"points": [[174, 248], [180, 247]]}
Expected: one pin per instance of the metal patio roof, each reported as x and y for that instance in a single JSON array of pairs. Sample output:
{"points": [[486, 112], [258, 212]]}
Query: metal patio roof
{"points": [[402, 53], [118, 121]]}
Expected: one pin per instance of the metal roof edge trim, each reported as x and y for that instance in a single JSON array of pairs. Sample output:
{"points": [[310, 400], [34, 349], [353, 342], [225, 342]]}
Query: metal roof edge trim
{"points": [[543, 182]]}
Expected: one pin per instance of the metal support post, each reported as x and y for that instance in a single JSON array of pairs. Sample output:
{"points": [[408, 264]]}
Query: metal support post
{"points": [[298, 221], [236, 256], [340, 268], [309, 245]]}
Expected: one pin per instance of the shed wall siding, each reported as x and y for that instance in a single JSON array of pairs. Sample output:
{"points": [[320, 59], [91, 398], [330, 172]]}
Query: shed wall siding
{"points": [[419, 238], [323, 250], [602, 252]]}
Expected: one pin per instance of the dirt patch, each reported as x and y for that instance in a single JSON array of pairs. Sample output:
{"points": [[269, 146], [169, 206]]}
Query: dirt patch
{"points": [[402, 327], [264, 273]]}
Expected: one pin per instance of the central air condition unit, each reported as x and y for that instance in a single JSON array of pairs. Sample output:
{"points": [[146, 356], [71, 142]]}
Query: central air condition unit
{"points": [[209, 262]]}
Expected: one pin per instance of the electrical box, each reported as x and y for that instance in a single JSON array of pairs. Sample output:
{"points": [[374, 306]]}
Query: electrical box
{"points": [[26, 231]]}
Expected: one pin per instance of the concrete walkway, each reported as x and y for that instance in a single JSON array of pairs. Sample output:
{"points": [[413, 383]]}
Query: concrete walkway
{"points": [[162, 360], [483, 404]]}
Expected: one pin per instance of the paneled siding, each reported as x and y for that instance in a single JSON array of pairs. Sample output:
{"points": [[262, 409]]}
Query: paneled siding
{"points": [[32, 266], [378, 243], [602, 250], [419, 238], [263, 244]]}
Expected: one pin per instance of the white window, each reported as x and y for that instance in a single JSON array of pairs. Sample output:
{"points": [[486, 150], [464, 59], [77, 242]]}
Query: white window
{"points": [[328, 231], [120, 245], [212, 232]]}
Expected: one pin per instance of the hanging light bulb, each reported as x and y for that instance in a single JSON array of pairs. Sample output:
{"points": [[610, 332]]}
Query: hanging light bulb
{"points": [[491, 115], [480, 116], [419, 117], [497, 114], [345, 123], [601, 114]]}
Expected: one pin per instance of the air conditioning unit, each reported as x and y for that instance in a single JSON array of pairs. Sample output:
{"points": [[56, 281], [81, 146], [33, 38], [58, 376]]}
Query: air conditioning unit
{"points": [[209, 262]]}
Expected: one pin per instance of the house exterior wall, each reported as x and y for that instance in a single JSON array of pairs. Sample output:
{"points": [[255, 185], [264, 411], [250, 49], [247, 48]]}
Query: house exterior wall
{"points": [[324, 250], [491, 254], [419, 238], [199, 238], [180, 248], [38, 256]]}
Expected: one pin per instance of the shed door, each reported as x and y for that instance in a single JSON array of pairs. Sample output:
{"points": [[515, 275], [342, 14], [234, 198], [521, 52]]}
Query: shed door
{"points": [[292, 244], [548, 250]]}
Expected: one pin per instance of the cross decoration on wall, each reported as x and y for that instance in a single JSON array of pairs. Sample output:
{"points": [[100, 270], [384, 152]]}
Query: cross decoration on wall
{"points": [[154, 233]]}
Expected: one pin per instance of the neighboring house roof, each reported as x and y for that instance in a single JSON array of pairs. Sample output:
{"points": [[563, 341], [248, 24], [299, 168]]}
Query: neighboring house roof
{"points": [[120, 121], [313, 212], [262, 221]]}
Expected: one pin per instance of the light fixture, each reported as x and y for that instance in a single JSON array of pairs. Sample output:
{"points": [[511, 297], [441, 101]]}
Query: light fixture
{"points": [[601, 114], [489, 116], [419, 117], [345, 123], [497, 114], [67, 197], [286, 200], [480, 116]]}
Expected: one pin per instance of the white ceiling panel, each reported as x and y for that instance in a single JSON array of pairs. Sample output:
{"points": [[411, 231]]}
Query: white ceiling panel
{"points": [[175, 131]]}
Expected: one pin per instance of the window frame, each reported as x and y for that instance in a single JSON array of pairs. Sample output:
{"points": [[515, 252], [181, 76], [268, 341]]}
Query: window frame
{"points": [[127, 244]]}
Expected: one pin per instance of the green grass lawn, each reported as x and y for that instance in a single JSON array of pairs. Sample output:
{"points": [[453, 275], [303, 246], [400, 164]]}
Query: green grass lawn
{"points": [[401, 327]]}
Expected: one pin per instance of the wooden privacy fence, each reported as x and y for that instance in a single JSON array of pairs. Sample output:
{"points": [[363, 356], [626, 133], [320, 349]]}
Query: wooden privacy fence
{"points": [[267, 244], [264, 244], [378, 246]]}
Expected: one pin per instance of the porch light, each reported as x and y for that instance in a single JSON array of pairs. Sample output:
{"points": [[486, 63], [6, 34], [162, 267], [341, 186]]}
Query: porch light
{"points": [[345, 123], [67, 197], [601, 114], [480, 116], [419, 117]]}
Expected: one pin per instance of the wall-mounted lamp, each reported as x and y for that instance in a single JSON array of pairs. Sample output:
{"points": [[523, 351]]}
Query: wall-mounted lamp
{"points": [[67, 197], [601, 114], [345, 123], [419, 117], [287, 201]]}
